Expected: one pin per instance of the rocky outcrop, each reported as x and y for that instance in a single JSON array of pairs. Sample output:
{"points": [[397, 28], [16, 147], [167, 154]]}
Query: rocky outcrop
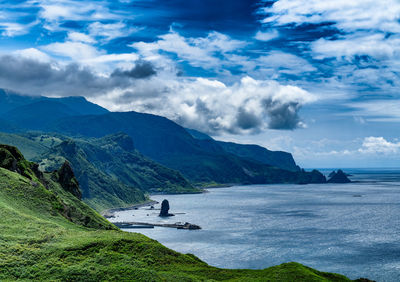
{"points": [[12, 159], [314, 177], [68, 181], [338, 177], [165, 209], [188, 226]]}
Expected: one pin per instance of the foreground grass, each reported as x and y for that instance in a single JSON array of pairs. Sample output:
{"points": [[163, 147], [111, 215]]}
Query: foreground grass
{"points": [[37, 242]]}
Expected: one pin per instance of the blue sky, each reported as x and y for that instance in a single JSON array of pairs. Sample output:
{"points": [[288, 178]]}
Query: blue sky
{"points": [[317, 78]]}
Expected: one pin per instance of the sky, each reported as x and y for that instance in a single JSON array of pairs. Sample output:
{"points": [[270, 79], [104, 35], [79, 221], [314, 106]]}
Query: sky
{"points": [[319, 79]]}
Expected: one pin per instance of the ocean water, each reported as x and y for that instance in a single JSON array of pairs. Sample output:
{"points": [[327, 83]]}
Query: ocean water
{"points": [[352, 229]]}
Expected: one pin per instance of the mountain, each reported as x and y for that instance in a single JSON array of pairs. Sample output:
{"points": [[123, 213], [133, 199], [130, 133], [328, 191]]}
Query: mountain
{"points": [[10, 100], [99, 189], [201, 161], [30, 146], [34, 113], [111, 172], [49, 234], [37, 115], [256, 153], [6, 126]]}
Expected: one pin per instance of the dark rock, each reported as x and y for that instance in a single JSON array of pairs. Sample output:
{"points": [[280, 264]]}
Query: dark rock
{"points": [[165, 209], [317, 177], [189, 226], [9, 158], [68, 181], [338, 177], [314, 176]]}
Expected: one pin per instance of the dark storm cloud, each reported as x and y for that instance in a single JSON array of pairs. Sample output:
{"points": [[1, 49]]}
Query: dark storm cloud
{"points": [[282, 115], [41, 78], [142, 69], [247, 120]]}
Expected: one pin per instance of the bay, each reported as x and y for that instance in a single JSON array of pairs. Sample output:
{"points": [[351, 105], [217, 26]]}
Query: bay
{"points": [[352, 229]]}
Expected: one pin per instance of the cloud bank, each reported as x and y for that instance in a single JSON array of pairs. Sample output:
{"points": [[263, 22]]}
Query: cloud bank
{"points": [[247, 106]]}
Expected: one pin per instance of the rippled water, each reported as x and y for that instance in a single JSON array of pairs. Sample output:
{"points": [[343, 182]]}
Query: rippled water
{"points": [[352, 229]]}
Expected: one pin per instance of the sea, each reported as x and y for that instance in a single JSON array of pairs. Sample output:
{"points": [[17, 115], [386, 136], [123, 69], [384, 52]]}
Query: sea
{"points": [[352, 229]]}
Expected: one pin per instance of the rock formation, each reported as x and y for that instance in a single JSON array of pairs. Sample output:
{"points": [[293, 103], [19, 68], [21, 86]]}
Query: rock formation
{"points": [[338, 177], [12, 159], [68, 181], [310, 177], [165, 208]]}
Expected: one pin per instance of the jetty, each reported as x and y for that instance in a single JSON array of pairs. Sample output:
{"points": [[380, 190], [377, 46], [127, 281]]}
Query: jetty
{"points": [[177, 225]]}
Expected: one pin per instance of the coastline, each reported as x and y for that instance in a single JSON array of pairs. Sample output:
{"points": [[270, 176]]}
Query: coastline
{"points": [[110, 212]]}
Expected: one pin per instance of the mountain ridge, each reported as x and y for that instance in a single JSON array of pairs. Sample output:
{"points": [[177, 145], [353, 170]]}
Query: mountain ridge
{"points": [[162, 140]]}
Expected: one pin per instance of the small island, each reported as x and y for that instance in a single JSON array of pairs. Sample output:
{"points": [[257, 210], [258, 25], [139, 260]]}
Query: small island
{"points": [[338, 177]]}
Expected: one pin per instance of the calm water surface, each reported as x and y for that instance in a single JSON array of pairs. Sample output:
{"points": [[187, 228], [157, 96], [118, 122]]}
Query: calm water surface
{"points": [[352, 229]]}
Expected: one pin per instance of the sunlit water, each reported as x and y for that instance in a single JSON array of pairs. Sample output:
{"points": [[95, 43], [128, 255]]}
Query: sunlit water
{"points": [[352, 229]]}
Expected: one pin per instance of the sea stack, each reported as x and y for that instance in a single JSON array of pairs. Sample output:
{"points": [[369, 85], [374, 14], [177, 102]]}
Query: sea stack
{"points": [[338, 177], [165, 208]]}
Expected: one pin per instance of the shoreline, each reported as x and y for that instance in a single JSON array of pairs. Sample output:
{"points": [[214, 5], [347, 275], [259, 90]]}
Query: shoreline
{"points": [[110, 212]]}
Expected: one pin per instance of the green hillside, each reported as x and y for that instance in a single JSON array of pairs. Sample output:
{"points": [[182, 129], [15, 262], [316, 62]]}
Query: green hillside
{"points": [[41, 240], [250, 152], [99, 190], [199, 158], [200, 161], [111, 171]]}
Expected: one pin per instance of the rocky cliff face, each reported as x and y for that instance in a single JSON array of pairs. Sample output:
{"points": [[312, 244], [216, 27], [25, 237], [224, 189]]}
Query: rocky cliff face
{"points": [[68, 181], [12, 159]]}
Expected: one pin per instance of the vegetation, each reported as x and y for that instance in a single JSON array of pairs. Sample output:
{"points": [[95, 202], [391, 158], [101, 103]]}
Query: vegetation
{"points": [[199, 160], [111, 172], [40, 241], [198, 157], [255, 153]]}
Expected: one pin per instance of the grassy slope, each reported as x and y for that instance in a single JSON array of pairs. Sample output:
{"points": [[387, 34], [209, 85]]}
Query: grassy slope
{"points": [[115, 155], [36, 242], [99, 189], [110, 176], [171, 145], [32, 148]]}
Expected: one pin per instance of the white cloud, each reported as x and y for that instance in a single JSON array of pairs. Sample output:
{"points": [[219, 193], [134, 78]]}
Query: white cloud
{"points": [[347, 15], [379, 145], [284, 62], [266, 36], [374, 45], [55, 11], [124, 57], [199, 52], [33, 54], [376, 110], [367, 27], [110, 31], [77, 51], [11, 29], [211, 106], [80, 37]]}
